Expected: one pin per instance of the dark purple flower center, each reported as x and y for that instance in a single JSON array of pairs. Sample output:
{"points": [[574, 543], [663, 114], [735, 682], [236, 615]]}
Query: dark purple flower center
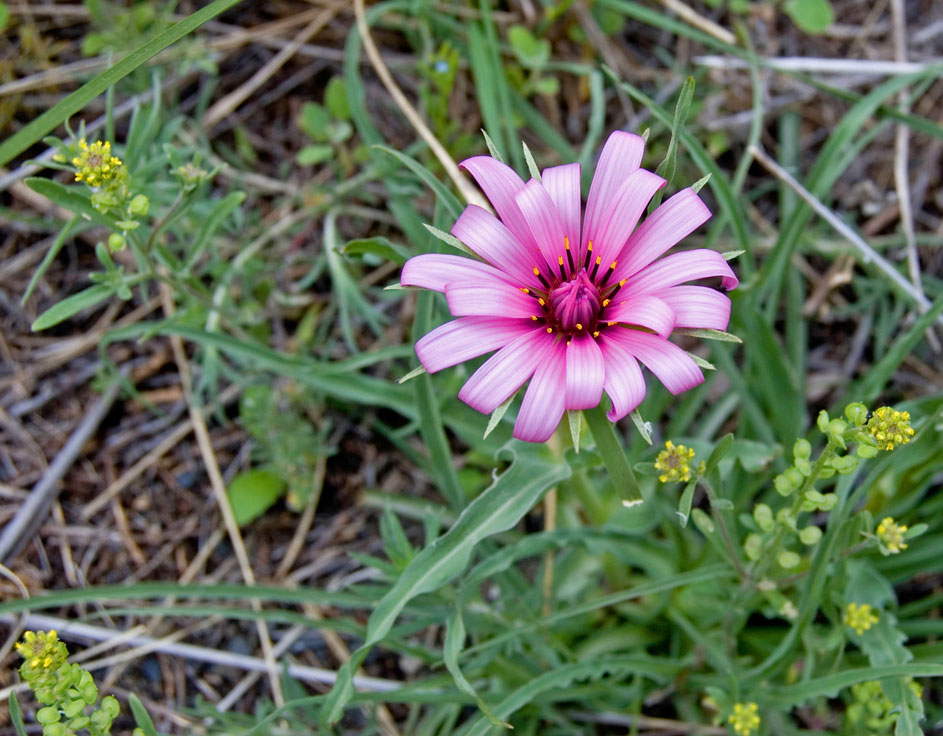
{"points": [[575, 304]]}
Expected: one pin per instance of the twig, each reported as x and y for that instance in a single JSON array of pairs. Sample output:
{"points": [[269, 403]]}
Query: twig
{"points": [[471, 195], [692, 17], [31, 514], [822, 66], [76, 630], [230, 102], [867, 252]]}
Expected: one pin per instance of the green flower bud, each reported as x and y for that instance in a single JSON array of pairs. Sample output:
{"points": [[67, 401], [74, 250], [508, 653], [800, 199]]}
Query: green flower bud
{"points": [[810, 535], [48, 715], [802, 448], [702, 521], [822, 421], [763, 516], [844, 464], [115, 242], [788, 559], [828, 502], [803, 465], [782, 485], [786, 518], [857, 413], [837, 426], [794, 476], [140, 205], [753, 546], [866, 450]]}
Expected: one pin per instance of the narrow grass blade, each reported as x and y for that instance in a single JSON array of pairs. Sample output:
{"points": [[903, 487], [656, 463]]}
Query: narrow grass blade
{"points": [[610, 449]]}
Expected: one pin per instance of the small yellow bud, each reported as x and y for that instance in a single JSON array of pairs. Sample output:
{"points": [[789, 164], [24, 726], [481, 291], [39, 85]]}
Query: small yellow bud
{"points": [[745, 718], [859, 618], [892, 535], [675, 463]]}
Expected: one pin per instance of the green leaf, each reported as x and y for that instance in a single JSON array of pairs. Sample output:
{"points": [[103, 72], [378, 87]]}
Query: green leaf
{"points": [[449, 239], [417, 371], [16, 715], [251, 493], [45, 123], [666, 169], [313, 120], [72, 199], [141, 717], [610, 449], [497, 509], [531, 164], [575, 420], [72, 305], [378, 246], [311, 155], [720, 451], [812, 16], [684, 505], [707, 334], [335, 99], [398, 549], [530, 51], [641, 425], [454, 639], [497, 415]]}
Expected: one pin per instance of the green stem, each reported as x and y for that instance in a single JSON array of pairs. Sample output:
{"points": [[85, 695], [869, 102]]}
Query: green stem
{"points": [[610, 449], [724, 531]]}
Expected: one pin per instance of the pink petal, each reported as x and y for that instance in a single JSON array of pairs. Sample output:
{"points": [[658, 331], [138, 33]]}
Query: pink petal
{"points": [[673, 221], [585, 373], [698, 306], [624, 382], [563, 185], [466, 338], [680, 267], [434, 271], [643, 310], [489, 298], [488, 237], [542, 407], [505, 371], [544, 221], [625, 209], [500, 184], [621, 155], [671, 364]]}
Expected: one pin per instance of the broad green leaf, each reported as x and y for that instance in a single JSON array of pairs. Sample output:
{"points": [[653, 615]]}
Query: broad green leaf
{"points": [[72, 305], [812, 16], [252, 493]]}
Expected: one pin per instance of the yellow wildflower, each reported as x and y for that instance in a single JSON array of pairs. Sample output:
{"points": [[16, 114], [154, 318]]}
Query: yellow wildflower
{"points": [[892, 535], [745, 718], [96, 166], [859, 618], [674, 462], [890, 427]]}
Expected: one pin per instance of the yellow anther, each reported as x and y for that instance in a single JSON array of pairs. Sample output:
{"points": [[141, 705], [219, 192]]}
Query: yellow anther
{"points": [[559, 260], [534, 317], [525, 290], [598, 260], [622, 283], [613, 265], [549, 330], [541, 301], [566, 242], [595, 333], [606, 302], [536, 271], [590, 246], [579, 326]]}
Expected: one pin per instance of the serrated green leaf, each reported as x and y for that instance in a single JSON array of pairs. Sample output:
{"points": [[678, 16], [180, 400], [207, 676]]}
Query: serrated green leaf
{"points": [[252, 493]]}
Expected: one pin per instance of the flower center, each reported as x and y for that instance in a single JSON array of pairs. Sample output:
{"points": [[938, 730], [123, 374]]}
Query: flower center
{"points": [[575, 304]]}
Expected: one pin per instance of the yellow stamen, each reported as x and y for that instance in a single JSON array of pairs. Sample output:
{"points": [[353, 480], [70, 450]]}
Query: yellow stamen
{"points": [[590, 246], [559, 260], [579, 326], [536, 271], [549, 330], [606, 302], [541, 301], [566, 242], [596, 333], [598, 260], [525, 290], [534, 317]]}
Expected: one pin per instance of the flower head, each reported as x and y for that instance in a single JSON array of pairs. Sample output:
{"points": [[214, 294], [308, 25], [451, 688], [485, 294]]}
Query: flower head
{"points": [[674, 462], [571, 299], [891, 535], [890, 427], [745, 718], [96, 166], [860, 618]]}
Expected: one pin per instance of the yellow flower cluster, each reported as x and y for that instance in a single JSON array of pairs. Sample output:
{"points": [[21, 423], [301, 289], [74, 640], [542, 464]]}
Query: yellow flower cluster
{"points": [[745, 718], [859, 618], [42, 652], [674, 462], [890, 427], [892, 535], [96, 166]]}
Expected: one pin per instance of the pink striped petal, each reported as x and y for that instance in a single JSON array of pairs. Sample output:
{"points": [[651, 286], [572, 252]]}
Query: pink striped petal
{"points": [[643, 310], [668, 225], [680, 267], [489, 298], [585, 373], [500, 184], [505, 371], [621, 155], [563, 185], [698, 306], [466, 338], [542, 407], [671, 364], [435, 270], [624, 382], [489, 237], [544, 221], [625, 208]]}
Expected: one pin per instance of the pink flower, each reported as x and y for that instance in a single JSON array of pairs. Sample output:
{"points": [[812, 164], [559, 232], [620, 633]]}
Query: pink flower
{"points": [[571, 308]]}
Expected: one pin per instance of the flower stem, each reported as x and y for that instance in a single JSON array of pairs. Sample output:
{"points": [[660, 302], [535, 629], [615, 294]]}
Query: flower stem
{"points": [[610, 449]]}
